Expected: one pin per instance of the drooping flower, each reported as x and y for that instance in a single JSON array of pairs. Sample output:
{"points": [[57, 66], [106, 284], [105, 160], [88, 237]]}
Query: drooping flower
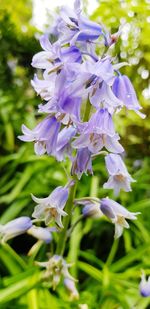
{"points": [[124, 91], [144, 285], [98, 133], [51, 207], [44, 135], [82, 163], [64, 147], [70, 286], [117, 214], [56, 268], [119, 176], [65, 102], [76, 28], [53, 57], [41, 233], [14, 228], [90, 207]]}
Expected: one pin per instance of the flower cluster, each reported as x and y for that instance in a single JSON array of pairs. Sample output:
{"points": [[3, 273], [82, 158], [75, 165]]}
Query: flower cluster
{"points": [[73, 73], [81, 91]]}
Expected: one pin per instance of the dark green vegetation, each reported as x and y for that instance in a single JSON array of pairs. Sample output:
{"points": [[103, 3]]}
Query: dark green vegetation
{"points": [[109, 272]]}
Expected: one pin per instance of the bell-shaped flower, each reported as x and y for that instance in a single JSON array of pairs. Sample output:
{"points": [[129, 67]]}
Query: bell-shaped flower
{"points": [[51, 207], [119, 176], [65, 103], [90, 207], [82, 163], [56, 268], [117, 214], [53, 58], [71, 288], [124, 91], [41, 233], [144, 286], [44, 135], [76, 28], [63, 147], [14, 228], [103, 96], [98, 133]]}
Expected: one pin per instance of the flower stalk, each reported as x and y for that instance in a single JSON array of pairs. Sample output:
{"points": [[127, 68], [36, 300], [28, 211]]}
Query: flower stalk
{"points": [[63, 235]]}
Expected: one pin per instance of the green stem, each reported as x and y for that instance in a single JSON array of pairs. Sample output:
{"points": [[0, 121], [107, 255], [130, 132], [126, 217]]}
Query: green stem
{"points": [[63, 235], [87, 110]]}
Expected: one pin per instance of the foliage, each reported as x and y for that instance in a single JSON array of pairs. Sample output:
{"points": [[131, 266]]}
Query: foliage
{"points": [[109, 274]]}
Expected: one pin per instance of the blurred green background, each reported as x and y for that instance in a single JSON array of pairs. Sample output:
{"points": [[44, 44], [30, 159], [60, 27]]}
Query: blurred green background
{"points": [[108, 271]]}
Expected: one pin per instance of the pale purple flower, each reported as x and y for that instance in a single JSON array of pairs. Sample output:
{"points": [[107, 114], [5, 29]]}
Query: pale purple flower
{"points": [[56, 268], [51, 207], [144, 286], [63, 147], [71, 287], [90, 207], [101, 123], [41, 233], [124, 91], [14, 228], [44, 135], [82, 163], [76, 28], [117, 214], [65, 103], [119, 176], [98, 133], [54, 56]]}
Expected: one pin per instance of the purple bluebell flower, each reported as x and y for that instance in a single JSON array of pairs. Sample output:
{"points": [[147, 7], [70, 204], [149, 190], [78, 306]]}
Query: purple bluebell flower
{"points": [[119, 176], [144, 285], [76, 28], [44, 135], [41, 233], [14, 228], [95, 142], [90, 207], [101, 123], [54, 56], [82, 163], [56, 268], [71, 287], [124, 91], [65, 103], [51, 207], [64, 147], [98, 133], [117, 214], [96, 78], [103, 96]]}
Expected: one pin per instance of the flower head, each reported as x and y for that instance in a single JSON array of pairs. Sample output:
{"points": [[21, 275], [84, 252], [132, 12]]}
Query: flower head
{"points": [[90, 207], [82, 163], [51, 207], [97, 133], [56, 268], [117, 214], [124, 91], [44, 135], [119, 176], [14, 228]]}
